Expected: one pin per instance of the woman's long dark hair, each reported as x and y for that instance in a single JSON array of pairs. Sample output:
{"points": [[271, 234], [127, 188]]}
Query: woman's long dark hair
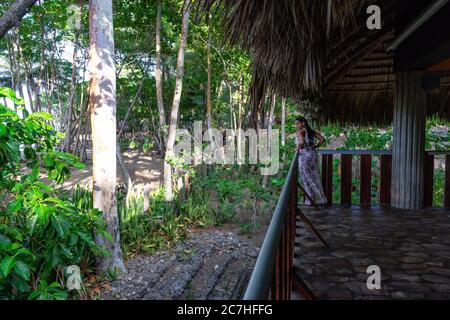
{"points": [[309, 131]]}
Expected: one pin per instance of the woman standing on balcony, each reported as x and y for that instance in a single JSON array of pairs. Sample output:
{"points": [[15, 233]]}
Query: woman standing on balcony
{"points": [[308, 161]]}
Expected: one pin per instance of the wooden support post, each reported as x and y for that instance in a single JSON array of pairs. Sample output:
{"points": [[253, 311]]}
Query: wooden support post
{"points": [[346, 179], [327, 176], [428, 180], [447, 182], [313, 229], [365, 192], [275, 294], [409, 142], [385, 179], [301, 286]]}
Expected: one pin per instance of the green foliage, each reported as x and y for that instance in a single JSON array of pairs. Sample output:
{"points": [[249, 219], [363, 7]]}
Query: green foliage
{"points": [[161, 225], [40, 232], [371, 138]]}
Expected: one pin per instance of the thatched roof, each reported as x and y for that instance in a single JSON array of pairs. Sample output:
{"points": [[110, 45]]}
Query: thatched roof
{"points": [[323, 51]]}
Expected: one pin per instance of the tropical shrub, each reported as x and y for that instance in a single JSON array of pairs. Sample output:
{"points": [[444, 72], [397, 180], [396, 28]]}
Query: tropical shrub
{"points": [[40, 232]]}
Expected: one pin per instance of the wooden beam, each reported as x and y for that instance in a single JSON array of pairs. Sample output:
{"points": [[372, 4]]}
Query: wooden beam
{"points": [[418, 22], [362, 76], [361, 30], [365, 83], [360, 90], [371, 68], [427, 46], [371, 44]]}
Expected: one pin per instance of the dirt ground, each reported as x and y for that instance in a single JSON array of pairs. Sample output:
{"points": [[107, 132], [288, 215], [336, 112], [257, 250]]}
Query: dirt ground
{"points": [[144, 167]]}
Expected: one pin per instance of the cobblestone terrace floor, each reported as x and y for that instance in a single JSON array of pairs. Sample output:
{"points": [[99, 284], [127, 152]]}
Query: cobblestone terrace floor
{"points": [[412, 248]]}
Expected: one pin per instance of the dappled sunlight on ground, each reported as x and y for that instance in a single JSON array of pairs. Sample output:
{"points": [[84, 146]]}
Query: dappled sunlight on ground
{"points": [[143, 167]]}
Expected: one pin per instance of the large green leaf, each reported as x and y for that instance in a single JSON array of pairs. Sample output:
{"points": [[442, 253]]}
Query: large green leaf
{"points": [[22, 270], [31, 223], [7, 264], [60, 225], [4, 241], [14, 206], [42, 115], [2, 130], [9, 93]]}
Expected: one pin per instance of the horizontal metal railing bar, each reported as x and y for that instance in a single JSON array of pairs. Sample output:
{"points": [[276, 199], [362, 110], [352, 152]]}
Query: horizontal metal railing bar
{"points": [[260, 279], [354, 152], [373, 152]]}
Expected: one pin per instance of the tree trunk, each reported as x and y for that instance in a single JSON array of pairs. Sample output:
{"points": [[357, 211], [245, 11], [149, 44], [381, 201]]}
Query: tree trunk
{"points": [[176, 102], [270, 120], [14, 15], [12, 69], [158, 79], [73, 86], [123, 168], [283, 127], [102, 105], [239, 125], [208, 85], [269, 130], [208, 89]]}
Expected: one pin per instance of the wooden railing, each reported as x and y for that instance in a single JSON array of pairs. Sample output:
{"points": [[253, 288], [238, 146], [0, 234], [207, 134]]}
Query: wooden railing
{"points": [[274, 275], [273, 272], [365, 173]]}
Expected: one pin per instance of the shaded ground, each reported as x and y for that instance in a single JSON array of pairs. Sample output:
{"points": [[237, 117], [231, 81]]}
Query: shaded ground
{"points": [[411, 248], [207, 265]]}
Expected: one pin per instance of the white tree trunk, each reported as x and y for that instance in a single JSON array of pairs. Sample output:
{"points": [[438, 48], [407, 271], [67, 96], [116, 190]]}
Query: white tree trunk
{"points": [[102, 105], [269, 130], [158, 79], [176, 102]]}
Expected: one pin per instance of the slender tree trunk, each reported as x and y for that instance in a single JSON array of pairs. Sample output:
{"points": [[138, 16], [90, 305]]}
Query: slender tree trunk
{"points": [[176, 102], [73, 86], [269, 130], [39, 81], [28, 81], [270, 120], [102, 105], [208, 88], [208, 85], [239, 125], [158, 79], [131, 106], [12, 68], [16, 57], [123, 168]]}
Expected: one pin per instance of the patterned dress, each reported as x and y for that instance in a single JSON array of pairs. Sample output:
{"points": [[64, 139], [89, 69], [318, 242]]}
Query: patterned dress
{"points": [[308, 164]]}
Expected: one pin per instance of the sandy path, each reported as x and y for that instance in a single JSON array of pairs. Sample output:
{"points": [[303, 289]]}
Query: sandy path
{"points": [[143, 167]]}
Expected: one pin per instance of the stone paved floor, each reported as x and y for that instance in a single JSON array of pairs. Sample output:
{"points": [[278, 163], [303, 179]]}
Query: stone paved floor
{"points": [[412, 249]]}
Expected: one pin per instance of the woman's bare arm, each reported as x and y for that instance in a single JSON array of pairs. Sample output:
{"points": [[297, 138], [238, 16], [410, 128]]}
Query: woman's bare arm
{"points": [[321, 139]]}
